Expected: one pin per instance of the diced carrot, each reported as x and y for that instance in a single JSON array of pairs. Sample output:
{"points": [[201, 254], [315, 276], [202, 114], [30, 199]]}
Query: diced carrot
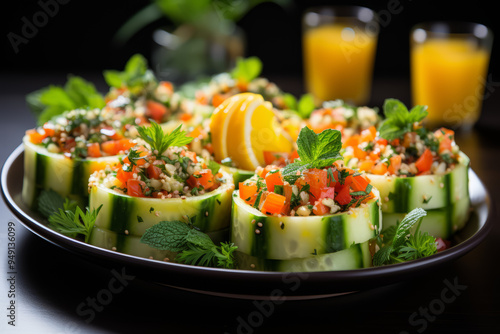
{"points": [[136, 188], [34, 136], [185, 117], [444, 132], [217, 99], [273, 203], [382, 141], [319, 209], [395, 164], [379, 169], [93, 150], [267, 169], [424, 163], [445, 144], [359, 153], [248, 193], [201, 98], [203, 178], [110, 132], [123, 176], [273, 179], [368, 134], [353, 141], [366, 165], [167, 85], [49, 130], [343, 196], [155, 110]]}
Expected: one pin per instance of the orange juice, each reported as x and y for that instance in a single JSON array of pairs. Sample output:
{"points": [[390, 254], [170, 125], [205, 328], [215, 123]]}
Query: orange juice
{"points": [[448, 75], [338, 62]]}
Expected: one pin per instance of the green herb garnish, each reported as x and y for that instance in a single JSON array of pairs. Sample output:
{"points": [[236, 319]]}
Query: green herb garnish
{"points": [[247, 69], [400, 245], [159, 141], [315, 151], [136, 76], [73, 223], [194, 247], [398, 120]]}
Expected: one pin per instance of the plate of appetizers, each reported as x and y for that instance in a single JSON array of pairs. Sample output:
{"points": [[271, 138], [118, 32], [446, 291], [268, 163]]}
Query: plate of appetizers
{"points": [[235, 190]]}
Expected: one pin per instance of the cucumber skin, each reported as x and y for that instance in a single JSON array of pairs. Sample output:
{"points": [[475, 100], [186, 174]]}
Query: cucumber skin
{"points": [[284, 238], [68, 177], [239, 175], [440, 222], [409, 192], [120, 213], [355, 257], [132, 245]]}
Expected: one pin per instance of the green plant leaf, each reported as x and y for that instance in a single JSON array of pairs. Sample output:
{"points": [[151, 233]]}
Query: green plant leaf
{"points": [[167, 235]]}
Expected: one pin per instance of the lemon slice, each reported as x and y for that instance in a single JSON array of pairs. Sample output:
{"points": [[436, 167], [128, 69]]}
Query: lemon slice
{"points": [[243, 128]]}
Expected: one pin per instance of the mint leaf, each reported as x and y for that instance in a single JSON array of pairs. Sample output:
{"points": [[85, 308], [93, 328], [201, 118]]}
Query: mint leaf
{"points": [[199, 239], [52, 101], [406, 224], [158, 140], [398, 120], [136, 76], [315, 151], [247, 69], [306, 105], [167, 235]]}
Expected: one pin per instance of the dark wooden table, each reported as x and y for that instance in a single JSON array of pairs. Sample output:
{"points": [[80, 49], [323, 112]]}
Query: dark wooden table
{"points": [[54, 289]]}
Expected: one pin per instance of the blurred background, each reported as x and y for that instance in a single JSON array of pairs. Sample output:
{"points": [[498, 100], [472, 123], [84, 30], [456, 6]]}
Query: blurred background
{"points": [[81, 38]]}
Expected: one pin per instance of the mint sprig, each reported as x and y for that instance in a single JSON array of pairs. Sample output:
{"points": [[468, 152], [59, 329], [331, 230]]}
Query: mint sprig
{"points": [[400, 245], [315, 151], [193, 247], [247, 69], [398, 120], [158, 140], [136, 76]]}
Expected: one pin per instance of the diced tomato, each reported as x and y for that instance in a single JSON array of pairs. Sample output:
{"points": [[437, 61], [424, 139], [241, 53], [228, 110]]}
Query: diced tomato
{"points": [[379, 169], [273, 203], [154, 172], [441, 244], [424, 163], [155, 110], [316, 178], [273, 179], [123, 176], [444, 132], [359, 183], [382, 141], [343, 196], [191, 155], [319, 209], [328, 192], [445, 144], [331, 182], [159, 194], [287, 192], [168, 86], [93, 150], [395, 164], [136, 188], [114, 147], [203, 178], [35, 137]]}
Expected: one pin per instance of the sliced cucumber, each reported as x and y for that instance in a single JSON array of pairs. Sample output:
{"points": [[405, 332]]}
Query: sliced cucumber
{"points": [[239, 175], [355, 257], [132, 245], [68, 177], [403, 194], [440, 222], [133, 215], [284, 238]]}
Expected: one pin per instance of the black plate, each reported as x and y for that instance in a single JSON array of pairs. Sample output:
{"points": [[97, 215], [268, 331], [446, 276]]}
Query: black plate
{"points": [[252, 284]]}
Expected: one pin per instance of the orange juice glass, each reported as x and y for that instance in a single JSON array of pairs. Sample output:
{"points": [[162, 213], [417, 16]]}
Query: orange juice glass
{"points": [[449, 64], [339, 45]]}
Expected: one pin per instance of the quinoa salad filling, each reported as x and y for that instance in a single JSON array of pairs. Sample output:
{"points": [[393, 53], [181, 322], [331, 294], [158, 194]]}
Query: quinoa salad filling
{"points": [[86, 133], [174, 173], [318, 192], [418, 152]]}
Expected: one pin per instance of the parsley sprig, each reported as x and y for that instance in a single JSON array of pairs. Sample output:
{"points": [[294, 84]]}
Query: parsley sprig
{"points": [[400, 245], [398, 120], [65, 216], [158, 140], [193, 247], [315, 151]]}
